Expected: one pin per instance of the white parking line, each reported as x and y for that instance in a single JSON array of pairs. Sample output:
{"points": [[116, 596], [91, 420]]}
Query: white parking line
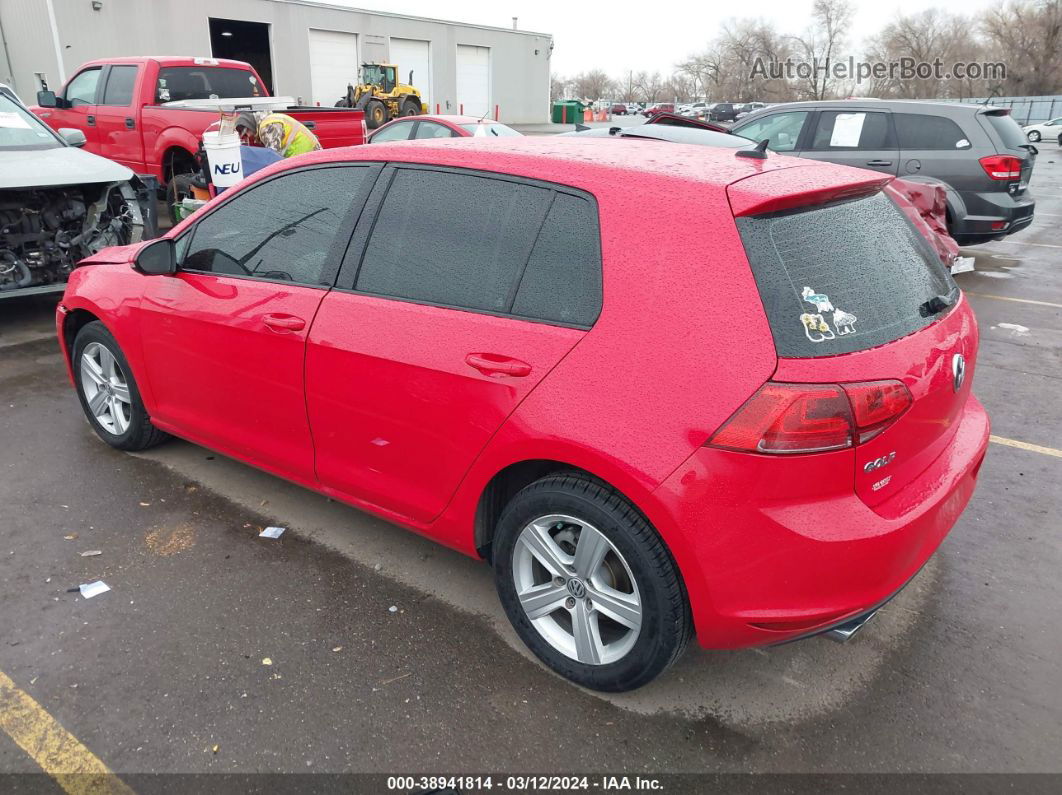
{"points": [[1016, 300]]}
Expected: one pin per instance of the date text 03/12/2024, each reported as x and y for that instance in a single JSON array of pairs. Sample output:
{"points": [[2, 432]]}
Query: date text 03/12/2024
{"points": [[526, 783]]}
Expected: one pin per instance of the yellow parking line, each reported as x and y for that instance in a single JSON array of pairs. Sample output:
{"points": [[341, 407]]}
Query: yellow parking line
{"points": [[58, 753], [1017, 300], [1032, 448]]}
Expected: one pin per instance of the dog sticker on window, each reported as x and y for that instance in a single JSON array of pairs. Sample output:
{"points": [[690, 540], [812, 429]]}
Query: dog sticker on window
{"points": [[821, 301], [844, 322]]}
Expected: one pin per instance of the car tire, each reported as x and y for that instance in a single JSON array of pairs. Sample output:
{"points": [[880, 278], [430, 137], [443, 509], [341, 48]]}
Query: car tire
{"points": [[563, 603], [375, 114], [411, 108], [1034, 136], [108, 392], [177, 189]]}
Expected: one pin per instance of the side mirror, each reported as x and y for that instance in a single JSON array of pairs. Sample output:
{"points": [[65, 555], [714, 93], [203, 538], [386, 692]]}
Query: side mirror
{"points": [[47, 99], [157, 258], [73, 136]]}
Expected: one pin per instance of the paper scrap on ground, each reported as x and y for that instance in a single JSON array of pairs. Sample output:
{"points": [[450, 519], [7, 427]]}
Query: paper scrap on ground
{"points": [[272, 532], [94, 589], [962, 265], [91, 553]]}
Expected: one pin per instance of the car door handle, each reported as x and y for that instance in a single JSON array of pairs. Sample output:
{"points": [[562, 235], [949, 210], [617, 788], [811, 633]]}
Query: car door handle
{"points": [[493, 365], [879, 162], [130, 124], [284, 322], [90, 121]]}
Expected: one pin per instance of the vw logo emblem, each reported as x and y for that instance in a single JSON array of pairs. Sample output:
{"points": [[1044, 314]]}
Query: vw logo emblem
{"points": [[958, 371], [576, 588]]}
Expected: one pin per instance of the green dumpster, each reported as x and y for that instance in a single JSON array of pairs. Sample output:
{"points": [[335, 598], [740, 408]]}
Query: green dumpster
{"points": [[567, 111]]}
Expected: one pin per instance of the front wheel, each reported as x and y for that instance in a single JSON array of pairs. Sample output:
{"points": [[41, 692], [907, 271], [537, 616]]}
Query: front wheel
{"points": [[108, 393], [588, 584], [375, 114], [1034, 136]]}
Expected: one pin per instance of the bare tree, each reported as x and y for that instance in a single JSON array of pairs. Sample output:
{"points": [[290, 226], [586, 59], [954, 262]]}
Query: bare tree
{"points": [[558, 87], [650, 86], [820, 45], [626, 86], [593, 85], [1027, 36]]}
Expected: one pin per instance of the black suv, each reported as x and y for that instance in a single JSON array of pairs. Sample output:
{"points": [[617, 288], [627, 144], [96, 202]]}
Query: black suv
{"points": [[977, 152], [723, 111]]}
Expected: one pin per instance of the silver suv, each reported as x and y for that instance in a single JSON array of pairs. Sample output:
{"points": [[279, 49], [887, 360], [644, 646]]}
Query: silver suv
{"points": [[977, 152]]}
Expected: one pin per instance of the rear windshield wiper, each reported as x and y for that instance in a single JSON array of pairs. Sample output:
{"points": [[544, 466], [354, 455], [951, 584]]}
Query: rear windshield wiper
{"points": [[938, 303]]}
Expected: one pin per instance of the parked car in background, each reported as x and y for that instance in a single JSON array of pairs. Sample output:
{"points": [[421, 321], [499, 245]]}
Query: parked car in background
{"points": [[149, 113], [977, 152], [440, 126], [58, 203], [542, 399], [659, 107], [723, 111], [1050, 130], [618, 109], [749, 107]]}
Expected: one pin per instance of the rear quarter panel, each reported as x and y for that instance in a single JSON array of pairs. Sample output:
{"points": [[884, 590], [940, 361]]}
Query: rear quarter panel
{"points": [[681, 342]]}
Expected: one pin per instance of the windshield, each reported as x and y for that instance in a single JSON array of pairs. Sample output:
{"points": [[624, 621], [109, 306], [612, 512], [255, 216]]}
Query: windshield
{"points": [[179, 83], [20, 129], [842, 277], [489, 128]]}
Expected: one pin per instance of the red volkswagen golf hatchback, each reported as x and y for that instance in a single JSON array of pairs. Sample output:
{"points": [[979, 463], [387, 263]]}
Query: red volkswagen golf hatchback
{"points": [[497, 344]]}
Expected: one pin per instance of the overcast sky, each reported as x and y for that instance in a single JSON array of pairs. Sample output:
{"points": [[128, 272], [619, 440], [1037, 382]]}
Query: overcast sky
{"points": [[617, 36]]}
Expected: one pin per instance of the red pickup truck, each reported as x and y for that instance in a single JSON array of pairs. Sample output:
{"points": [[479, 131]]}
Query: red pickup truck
{"points": [[132, 109]]}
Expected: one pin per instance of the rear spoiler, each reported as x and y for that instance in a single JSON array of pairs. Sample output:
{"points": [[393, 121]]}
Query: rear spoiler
{"points": [[801, 186]]}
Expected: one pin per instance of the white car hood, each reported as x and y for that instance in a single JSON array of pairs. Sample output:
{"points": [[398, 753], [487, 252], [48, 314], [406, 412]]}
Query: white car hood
{"points": [[64, 165]]}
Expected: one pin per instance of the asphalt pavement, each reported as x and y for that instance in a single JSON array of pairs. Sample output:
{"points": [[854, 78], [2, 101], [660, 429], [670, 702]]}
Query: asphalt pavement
{"points": [[352, 645]]}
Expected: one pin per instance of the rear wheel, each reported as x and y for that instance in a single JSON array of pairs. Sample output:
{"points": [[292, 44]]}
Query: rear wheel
{"points": [[375, 114], [108, 393], [410, 107], [588, 584]]}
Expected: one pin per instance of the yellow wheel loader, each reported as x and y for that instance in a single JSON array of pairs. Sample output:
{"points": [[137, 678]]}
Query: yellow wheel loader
{"points": [[381, 96]]}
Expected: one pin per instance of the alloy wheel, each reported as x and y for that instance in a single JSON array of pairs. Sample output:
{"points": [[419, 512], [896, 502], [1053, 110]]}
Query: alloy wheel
{"points": [[576, 589], [106, 389]]}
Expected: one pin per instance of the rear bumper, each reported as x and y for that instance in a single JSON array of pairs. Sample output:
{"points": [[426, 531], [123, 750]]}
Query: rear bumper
{"points": [[986, 211], [777, 549]]}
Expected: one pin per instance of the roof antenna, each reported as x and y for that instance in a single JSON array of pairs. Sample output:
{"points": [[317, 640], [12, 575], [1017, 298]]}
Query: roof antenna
{"points": [[758, 152]]}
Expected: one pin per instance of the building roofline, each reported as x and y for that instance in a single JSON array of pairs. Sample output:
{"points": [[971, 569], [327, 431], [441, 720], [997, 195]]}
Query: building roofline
{"points": [[394, 15]]}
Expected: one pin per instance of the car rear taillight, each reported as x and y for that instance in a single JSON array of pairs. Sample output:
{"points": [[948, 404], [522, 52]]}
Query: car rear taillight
{"points": [[1001, 167], [876, 405], [812, 418]]}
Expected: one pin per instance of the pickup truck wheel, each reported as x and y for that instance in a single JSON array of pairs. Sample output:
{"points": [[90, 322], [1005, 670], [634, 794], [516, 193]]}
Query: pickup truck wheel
{"points": [[410, 108], [375, 114], [178, 189], [108, 393]]}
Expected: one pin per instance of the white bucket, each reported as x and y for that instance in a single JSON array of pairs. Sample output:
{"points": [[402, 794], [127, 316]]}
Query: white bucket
{"points": [[223, 157]]}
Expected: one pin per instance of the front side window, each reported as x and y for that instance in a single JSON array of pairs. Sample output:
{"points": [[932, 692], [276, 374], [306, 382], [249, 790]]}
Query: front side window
{"points": [[844, 277], [281, 230], [399, 131], [782, 129], [845, 131], [486, 244], [119, 90], [82, 89]]}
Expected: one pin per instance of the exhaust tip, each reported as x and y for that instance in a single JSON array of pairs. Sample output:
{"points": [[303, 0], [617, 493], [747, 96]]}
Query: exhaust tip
{"points": [[844, 632]]}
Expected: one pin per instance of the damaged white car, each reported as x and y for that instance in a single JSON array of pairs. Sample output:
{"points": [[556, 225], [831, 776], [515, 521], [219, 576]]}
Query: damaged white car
{"points": [[59, 204]]}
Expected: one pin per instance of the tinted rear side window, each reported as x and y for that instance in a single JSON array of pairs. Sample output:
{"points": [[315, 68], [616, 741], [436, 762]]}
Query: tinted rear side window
{"points": [[562, 281], [119, 90], [452, 239], [1007, 129], [842, 278], [917, 131]]}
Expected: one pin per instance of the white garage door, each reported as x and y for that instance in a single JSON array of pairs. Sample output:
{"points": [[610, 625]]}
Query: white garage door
{"points": [[333, 64], [416, 55], [473, 79]]}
